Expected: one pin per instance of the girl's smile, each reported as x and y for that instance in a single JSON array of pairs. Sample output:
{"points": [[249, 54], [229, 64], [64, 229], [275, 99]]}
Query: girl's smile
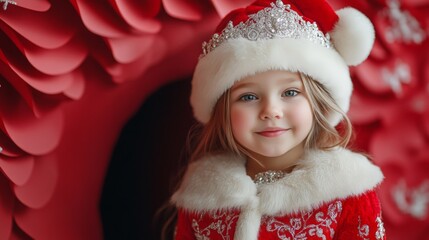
{"points": [[272, 131]]}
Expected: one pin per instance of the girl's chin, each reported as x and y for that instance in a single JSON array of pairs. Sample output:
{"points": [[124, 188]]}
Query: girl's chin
{"points": [[271, 154]]}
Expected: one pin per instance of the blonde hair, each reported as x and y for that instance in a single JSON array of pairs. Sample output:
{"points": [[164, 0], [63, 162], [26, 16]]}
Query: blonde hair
{"points": [[322, 134], [216, 136]]}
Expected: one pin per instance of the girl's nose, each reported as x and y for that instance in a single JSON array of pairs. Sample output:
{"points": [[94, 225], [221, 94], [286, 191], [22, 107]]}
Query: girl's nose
{"points": [[271, 110]]}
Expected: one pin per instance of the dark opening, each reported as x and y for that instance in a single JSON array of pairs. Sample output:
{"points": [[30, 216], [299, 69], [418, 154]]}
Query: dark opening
{"points": [[148, 156]]}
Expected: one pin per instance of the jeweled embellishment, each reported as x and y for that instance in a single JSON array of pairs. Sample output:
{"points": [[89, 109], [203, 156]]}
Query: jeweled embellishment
{"points": [[380, 229], [363, 230], [268, 177], [277, 21], [308, 225]]}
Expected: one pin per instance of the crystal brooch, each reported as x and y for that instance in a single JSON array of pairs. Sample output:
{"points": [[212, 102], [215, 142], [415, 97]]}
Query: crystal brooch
{"points": [[269, 176]]}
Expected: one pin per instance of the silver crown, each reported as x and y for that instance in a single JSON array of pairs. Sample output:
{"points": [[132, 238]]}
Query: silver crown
{"points": [[277, 21]]}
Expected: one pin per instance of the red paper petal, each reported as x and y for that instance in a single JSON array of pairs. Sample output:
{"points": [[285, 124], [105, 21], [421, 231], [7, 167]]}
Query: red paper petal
{"points": [[406, 184], [44, 83], [18, 233], [223, 7], [369, 74], [136, 68], [18, 170], [13, 83], [6, 207], [425, 119], [100, 19], [420, 102], [425, 91], [114, 69], [57, 61], [139, 14], [34, 135], [378, 52], [398, 75], [395, 170], [365, 110], [188, 33], [374, 76], [416, 3], [191, 35], [182, 9], [126, 50], [35, 5], [388, 143], [77, 88], [40, 187], [148, 8], [49, 30], [399, 27], [9, 149]]}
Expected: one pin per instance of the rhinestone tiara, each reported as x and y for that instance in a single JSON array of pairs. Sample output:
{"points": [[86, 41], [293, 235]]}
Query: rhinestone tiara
{"points": [[277, 21]]}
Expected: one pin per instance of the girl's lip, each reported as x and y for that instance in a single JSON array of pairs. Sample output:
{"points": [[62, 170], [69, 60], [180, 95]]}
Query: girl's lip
{"points": [[272, 132]]}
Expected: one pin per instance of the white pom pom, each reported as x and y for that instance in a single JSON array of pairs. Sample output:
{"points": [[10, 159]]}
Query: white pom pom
{"points": [[353, 36]]}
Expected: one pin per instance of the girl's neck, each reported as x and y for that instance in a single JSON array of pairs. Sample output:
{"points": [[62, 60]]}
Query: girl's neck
{"points": [[257, 163]]}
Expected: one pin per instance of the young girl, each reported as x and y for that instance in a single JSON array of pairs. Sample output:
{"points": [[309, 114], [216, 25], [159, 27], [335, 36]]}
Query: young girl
{"points": [[270, 88]]}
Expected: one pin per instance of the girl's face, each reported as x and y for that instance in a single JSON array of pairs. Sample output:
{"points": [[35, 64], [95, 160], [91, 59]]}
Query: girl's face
{"points": [[270, 113]]}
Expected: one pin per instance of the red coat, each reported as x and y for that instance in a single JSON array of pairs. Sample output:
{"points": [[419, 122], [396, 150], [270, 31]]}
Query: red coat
{"points": [[329, 195]]}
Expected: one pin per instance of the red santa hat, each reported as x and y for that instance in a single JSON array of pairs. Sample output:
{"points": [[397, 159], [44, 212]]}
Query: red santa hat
{"points": [[295, 35]]}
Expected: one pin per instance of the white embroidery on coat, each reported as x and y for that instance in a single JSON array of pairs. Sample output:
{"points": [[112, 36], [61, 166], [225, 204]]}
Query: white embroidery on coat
{"points": [[380, 229], [363, 230], [221, 223], [298, 228]]}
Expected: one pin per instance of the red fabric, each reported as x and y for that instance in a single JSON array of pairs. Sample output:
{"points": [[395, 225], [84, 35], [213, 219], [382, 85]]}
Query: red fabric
{"points": [[313, 11], [318, 11], [358, 212], [347, 219]]}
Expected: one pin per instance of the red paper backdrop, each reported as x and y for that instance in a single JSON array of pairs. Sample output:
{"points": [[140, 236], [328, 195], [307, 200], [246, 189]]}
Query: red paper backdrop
{"points": [[74, 72]]}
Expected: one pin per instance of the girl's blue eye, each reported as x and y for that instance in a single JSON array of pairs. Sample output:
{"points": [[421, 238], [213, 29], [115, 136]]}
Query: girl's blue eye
{"points": [[290, 93], [248, 97]]}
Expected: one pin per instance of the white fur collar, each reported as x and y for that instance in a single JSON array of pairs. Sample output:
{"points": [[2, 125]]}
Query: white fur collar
{"points": [[217, 182]]}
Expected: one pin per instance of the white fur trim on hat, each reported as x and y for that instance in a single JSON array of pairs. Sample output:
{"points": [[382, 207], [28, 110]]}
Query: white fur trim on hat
{"points": [[238, 58], [353, 36], [235, 59]]}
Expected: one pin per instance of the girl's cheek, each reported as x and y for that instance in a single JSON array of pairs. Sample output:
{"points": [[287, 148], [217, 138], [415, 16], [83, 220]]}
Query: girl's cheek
{"points": [[239, 117], [236, 117], [302, 113]]}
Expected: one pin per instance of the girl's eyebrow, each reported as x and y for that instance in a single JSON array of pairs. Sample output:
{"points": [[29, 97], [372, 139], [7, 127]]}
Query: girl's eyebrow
{"points": [[249, 84], [292, 79], [241, 85]]}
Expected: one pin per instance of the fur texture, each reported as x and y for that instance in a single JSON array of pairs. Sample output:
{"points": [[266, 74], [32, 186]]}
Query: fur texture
{"points": [[353, 36], [220, 182], [248, 224], [238, 58]]}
